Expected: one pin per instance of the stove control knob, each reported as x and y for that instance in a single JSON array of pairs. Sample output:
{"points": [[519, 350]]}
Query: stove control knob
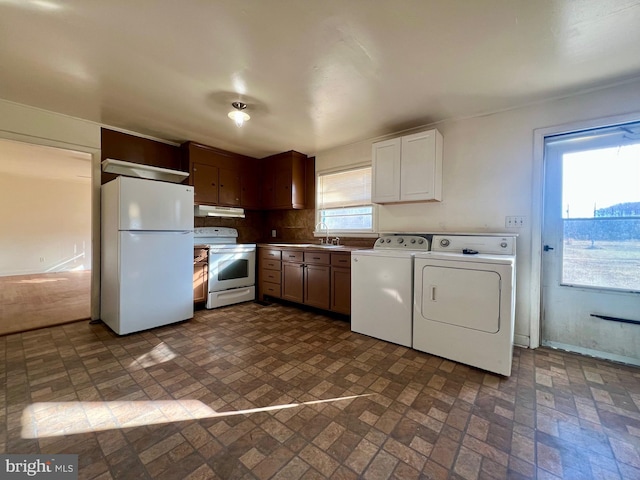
{"points": [[420, 241], [413, 240], [444, 242], [400, 240], [503, 244]]}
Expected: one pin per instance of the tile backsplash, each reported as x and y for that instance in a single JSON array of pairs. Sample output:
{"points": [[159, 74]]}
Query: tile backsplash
{"points": [[291, 226]]}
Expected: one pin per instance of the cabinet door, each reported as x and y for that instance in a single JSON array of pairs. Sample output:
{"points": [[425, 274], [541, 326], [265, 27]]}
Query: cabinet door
{"points": [[418, 167], [229, 187], [341, 290], [205, 183], [267, 195], [385, 160], [200, 283], [292, 280], [317, 281], [249, 190], [282, 187], [283, 180]]}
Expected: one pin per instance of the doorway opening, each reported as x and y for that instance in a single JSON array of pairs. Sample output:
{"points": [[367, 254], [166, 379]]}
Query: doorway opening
{"points": [[591, 237], [45, 249]]}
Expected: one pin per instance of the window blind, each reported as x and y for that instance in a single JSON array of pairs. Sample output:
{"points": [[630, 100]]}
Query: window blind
{"points": [[350, 188]]}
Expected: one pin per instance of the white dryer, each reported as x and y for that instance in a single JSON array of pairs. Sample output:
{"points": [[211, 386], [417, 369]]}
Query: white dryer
{"points": [[464, 300], [382, 288]]}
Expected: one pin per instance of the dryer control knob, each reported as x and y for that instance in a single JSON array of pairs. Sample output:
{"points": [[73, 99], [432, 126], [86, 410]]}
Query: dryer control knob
{"points": [[444, 242]]}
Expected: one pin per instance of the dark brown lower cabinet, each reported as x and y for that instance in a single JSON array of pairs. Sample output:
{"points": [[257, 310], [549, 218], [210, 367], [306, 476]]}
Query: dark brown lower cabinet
{"points": [[292, 282], [200, 282], [316, 278], [341, 290], [317, 281]]}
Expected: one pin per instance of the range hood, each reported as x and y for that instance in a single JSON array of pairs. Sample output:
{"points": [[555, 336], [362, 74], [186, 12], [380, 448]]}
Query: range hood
{"points": [[139, 170], [210, 211]]}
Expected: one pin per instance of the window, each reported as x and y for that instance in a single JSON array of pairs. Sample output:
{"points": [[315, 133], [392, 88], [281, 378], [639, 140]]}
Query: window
{"points": [[344, 202]]}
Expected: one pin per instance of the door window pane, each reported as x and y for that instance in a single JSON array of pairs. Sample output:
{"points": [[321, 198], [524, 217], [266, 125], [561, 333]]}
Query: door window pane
{"points": [[601, 217]]}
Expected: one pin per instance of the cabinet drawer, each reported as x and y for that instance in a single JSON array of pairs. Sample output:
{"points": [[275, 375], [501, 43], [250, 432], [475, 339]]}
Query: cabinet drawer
{"points": [[272, 289], [322, 258], [341, 260], [272, 276], [292, 256], [270, 264], [267, 253]]}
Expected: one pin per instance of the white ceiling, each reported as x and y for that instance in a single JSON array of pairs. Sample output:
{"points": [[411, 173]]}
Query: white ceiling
{"points": [[314, 73]]}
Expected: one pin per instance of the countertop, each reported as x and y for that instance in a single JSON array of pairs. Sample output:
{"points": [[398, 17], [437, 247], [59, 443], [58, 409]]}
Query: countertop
{"points": [[312, 246]]}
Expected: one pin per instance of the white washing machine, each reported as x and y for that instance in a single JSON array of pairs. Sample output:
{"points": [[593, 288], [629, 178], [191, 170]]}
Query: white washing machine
{"points": [[382, 288], [464, 300]]}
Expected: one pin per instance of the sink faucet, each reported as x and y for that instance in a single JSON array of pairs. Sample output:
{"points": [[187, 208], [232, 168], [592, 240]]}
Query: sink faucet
{"points": [[326, 231]]}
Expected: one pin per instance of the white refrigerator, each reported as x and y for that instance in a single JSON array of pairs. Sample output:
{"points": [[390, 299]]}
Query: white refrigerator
{"points": [[146, 254]]}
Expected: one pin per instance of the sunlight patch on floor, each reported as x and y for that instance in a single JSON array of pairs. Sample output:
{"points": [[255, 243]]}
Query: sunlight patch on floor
{"points": [[52, 419], [159, 354]]}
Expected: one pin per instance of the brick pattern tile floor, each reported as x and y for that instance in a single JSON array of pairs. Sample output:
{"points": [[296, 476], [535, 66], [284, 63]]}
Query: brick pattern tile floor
{"points": [[273, 392]]}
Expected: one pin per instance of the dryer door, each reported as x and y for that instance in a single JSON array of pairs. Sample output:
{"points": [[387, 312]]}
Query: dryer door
{"points": [[464, 297]]}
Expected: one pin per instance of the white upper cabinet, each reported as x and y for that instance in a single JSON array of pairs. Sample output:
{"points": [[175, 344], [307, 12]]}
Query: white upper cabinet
{"points": [[408, 169]]}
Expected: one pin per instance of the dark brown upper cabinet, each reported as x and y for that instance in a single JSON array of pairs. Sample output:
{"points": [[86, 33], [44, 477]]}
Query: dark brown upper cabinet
{"points": [[283, 181], [122, 146], [220, 177]]}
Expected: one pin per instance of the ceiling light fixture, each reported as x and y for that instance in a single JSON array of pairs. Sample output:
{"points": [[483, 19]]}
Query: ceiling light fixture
{"points": [[238, 115]]}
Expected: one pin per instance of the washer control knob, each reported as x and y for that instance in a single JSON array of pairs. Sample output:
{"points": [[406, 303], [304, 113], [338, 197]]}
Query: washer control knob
{"points": [[503, 244], [444, 242]]}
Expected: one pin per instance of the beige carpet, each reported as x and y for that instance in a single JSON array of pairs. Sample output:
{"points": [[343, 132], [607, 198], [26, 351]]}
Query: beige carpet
{"points": [[34, 301]]}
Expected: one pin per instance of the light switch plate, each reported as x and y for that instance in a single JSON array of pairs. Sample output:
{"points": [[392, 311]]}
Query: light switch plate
{"points": [[514, 222]]}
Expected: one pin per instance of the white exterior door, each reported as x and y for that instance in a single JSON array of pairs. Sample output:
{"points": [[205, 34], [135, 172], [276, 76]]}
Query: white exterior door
{"points": [[591, 237]]}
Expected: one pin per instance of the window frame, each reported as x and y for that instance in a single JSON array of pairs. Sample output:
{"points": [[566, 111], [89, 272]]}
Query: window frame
{"points": [[369, 233]]}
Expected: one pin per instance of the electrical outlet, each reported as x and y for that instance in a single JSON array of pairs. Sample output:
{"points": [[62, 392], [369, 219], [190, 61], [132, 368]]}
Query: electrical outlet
{"points": [[273, 233], [514, 222]]}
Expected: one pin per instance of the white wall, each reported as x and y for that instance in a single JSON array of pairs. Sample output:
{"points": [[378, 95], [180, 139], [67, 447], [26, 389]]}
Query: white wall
{"points": [[489, 172], [32, 125], [44, 219]]}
